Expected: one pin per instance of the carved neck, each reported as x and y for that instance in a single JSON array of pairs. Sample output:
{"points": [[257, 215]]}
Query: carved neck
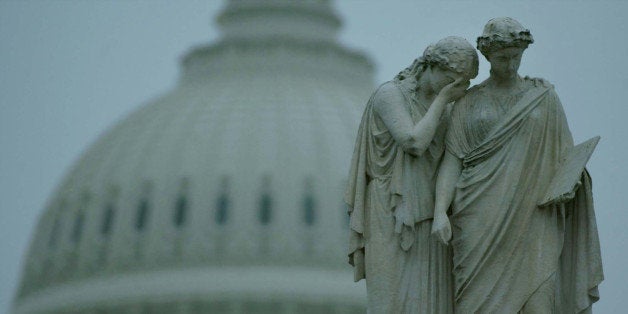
{"points": [[505, 83]]}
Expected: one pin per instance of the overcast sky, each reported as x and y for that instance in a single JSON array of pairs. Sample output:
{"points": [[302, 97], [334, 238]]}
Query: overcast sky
{"points": [[70, 69]]}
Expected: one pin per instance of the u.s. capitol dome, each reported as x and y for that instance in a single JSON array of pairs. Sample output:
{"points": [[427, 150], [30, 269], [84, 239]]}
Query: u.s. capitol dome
{"points": [[225, 194]]}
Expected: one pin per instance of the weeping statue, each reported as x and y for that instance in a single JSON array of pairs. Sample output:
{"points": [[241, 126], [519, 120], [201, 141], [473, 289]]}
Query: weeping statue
{"points": [[391, 186], [452, 207]]}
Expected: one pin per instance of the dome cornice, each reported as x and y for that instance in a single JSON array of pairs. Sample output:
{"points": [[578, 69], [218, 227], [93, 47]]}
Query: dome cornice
{"points": [[265, 19], [234, 13], [208, 55]]}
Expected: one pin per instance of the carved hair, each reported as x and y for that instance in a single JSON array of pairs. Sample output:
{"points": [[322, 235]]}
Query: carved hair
{"points": [[503, 32], [453, 53]]}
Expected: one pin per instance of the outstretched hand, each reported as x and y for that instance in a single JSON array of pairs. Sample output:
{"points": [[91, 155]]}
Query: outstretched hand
{"points": [[454, 90], [441, 228]]}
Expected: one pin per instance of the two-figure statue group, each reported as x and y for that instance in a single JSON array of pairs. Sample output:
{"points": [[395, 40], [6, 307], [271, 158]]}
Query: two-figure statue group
{"points": [[450, 189]]}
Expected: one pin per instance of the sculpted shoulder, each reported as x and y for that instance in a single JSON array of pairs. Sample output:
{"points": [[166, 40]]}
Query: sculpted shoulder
{"points": [[537, 82], [471, 93], [387, 89], [387, 93], [529, 83]]}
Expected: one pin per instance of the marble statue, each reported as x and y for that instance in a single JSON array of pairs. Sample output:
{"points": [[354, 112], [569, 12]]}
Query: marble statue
{"points": [[390, 193], [506, 138]]}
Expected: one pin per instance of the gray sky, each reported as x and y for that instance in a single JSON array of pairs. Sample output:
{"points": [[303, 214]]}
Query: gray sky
{"points": [[70, 69]]}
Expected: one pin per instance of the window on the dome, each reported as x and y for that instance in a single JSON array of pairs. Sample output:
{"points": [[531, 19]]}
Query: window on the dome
{"points": [[52, 240], [77, 230], [345, 219], [265, 209], [221, 216], [222, 207], [309, 206], [107, 221], [56, 226], [143, 207], [142, 214], [180, 210]]}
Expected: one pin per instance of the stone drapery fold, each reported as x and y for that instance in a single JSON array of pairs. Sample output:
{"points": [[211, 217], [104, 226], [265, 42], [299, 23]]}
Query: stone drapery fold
{"points": [[406, 181], [505, 246]]}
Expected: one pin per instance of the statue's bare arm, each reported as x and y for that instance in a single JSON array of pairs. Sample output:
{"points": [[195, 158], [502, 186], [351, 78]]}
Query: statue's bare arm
{"points": [[448, 175], [413, 138]]}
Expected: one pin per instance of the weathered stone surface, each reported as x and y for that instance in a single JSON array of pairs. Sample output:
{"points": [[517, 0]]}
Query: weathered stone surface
{"points": [[506, 139], [505, 149], [391, 183]]}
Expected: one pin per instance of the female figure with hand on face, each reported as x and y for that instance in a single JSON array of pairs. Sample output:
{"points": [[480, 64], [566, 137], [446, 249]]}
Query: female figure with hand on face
{"points": [[390, 193]]}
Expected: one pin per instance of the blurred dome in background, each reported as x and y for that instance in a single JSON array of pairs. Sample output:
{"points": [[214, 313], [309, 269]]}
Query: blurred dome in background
{"points": [[225, 194]]}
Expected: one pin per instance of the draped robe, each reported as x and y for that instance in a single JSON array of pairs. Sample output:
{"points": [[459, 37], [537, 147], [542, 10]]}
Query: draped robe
{"points": [[504, 246], [390, 195]]}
